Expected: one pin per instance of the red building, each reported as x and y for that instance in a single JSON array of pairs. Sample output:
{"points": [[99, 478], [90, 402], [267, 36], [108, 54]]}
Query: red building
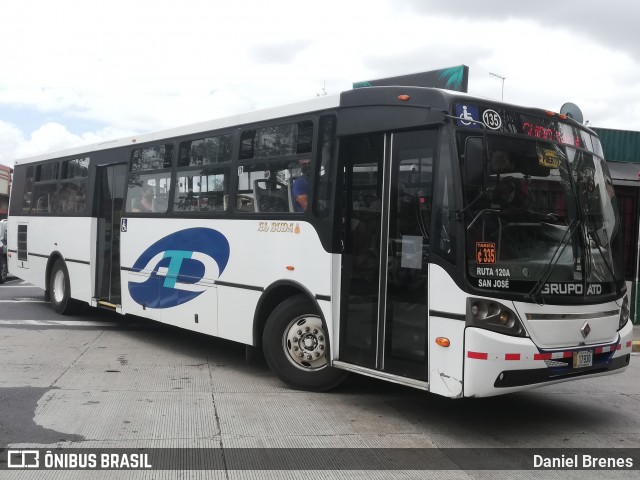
{"points": [[5, 187]]}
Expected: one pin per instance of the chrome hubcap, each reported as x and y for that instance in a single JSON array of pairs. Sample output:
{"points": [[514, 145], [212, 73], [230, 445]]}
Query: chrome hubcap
{"points": [[305, 342], [58, 286]]}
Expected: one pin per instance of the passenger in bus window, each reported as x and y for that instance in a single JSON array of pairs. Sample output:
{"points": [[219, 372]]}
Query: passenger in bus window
{"points": [[300, 189], [144, 203]]}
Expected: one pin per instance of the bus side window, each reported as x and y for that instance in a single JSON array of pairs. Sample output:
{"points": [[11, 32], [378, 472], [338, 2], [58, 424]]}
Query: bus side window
{"points": [[149, 179], [71, 196], [201, 190], [44, 194], [276, 186], [44, 189], [28, 190], [279, 181], [148, 193]]}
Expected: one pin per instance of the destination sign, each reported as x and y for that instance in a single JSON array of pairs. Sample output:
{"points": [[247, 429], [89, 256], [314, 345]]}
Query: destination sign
{"points": [[552, 128]]}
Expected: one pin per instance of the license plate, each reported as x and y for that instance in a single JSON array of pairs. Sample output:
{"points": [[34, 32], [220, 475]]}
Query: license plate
{"points": [[583, 359]]}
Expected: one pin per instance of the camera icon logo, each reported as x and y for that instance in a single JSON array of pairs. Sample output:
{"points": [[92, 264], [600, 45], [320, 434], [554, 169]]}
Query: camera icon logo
{"points": [[23, 459]]}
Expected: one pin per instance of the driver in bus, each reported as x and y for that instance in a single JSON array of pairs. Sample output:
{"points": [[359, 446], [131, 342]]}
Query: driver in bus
{"points": [[300, 188]]}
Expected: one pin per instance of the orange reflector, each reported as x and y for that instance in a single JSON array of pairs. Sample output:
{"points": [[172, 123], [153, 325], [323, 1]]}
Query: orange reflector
{"points": [[562, 116], [443, 342], [403, 98], [291, 268], [550, 113]]}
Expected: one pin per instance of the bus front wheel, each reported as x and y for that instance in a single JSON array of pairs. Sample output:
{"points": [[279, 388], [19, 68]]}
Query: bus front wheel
{"points": [[60, 289], [296, 346]]}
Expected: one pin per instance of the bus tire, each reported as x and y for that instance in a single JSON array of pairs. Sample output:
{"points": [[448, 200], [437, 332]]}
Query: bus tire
{"points": [[60, 289], [4, 270], [296, 346]]}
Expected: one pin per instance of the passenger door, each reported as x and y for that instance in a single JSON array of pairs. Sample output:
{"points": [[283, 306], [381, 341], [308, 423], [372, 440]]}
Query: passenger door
{"points": [[110, 180], [388, 192]]}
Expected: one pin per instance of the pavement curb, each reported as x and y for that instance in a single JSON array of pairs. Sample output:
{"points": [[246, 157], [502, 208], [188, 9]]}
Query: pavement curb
{"points": [[635, 346]]}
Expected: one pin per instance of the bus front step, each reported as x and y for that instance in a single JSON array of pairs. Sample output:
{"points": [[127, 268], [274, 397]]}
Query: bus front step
{"points": [[107, 305]]}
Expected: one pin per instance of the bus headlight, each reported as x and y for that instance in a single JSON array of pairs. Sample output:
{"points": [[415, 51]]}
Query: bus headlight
{"points": [[624, 313], [492, 315]]}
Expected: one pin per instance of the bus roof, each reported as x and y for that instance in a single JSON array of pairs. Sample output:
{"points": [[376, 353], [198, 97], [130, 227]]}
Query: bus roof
{"points": [[435, 98], [316, 104]]}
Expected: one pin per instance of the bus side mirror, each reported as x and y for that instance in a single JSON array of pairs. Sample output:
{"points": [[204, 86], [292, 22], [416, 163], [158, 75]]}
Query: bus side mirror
{"points": [[474, 163]]}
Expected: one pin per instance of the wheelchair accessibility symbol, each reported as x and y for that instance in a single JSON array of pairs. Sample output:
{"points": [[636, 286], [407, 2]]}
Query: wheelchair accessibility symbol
{"points": [[468, 116]]}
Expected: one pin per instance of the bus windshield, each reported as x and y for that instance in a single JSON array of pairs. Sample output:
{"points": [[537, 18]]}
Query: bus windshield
{"points": [[544, 223]]}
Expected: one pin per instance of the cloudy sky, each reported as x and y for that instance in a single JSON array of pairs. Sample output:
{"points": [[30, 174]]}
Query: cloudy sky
{"points": [[74, 72]]}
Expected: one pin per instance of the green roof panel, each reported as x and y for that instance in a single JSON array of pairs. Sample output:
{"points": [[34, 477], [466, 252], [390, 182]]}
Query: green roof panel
{"points": [[620, 145]]}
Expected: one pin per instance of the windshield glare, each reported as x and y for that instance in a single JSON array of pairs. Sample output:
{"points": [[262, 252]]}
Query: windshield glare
{"points": [[597, 204], [544, 221]]}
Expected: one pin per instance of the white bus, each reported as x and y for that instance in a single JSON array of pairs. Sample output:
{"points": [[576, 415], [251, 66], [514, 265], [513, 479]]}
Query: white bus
{"points": [[425, 237]]}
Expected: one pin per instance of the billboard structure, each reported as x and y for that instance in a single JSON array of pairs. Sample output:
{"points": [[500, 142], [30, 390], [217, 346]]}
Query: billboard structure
{"points": [[452, 78]]}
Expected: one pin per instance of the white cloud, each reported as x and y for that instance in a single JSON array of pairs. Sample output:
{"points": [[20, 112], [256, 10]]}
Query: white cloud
{"points": [[613, 23], [52, 137], [10, 138]]}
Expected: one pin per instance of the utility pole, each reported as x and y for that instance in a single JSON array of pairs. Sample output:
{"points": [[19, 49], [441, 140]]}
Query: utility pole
{"points": [[501, 78], [324, 90]]}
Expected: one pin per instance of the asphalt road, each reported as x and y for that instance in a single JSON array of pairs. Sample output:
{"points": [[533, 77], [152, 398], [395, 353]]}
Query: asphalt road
{"points": [[99, 380]]}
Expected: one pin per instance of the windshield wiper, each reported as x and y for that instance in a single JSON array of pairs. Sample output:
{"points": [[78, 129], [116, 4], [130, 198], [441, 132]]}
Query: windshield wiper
{"points": [[604, 259], [555, 258]]}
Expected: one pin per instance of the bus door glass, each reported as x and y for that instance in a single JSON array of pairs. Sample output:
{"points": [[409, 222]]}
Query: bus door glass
{"points": [[388, 180], [111, 181]]}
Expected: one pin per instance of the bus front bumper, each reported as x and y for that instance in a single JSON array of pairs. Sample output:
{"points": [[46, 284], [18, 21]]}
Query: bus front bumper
{"points": [[495, 364]]}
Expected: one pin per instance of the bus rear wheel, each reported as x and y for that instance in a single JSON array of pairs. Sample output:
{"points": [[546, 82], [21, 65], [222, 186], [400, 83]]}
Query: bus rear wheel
{"points": [[296, 347], [60, 289]]}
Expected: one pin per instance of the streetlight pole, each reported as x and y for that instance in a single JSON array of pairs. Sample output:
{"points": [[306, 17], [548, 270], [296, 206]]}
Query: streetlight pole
{"points": [[501, 78]]}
